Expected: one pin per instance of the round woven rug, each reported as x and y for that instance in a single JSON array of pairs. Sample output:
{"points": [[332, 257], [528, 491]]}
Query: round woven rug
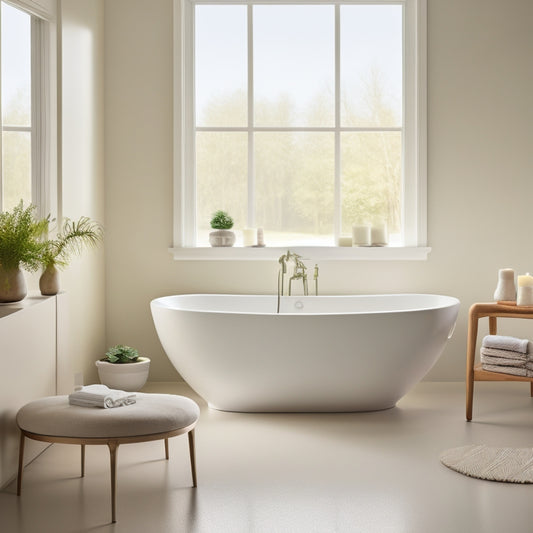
{"points": [[510, 465]]}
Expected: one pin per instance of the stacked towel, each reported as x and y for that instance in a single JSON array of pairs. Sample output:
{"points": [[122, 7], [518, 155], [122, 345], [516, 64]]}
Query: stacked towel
{"points": [[100, 396], [507, 355]]}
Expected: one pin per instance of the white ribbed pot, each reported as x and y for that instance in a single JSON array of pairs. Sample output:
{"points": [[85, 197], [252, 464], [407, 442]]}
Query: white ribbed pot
{"points": [[222, 237], [124, 376]]}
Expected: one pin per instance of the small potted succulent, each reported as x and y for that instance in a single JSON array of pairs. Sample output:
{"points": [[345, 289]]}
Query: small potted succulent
{"points": [[123, 368], [222, 224]]}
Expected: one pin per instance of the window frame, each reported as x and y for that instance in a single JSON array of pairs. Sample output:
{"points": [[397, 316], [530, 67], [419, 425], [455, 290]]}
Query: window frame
{"points": [[414, 156], [44, 128]]}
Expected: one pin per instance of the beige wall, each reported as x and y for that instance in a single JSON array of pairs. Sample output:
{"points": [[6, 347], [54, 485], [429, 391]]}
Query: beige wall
{"points": [[82, 186], [479, 173]]}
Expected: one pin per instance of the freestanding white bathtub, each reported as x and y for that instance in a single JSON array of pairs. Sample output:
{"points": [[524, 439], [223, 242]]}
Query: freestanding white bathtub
{"points": [[320, 354]]}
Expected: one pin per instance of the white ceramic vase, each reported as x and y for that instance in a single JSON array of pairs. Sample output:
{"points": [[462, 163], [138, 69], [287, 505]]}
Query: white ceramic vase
{"points": [[506, 289], [49, 281], [124, 376]]}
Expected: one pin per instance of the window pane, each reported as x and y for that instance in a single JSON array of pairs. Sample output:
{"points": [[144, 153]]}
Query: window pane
{"points": [[371, 188], [16, 163], [221, 177], [294, 185], [371, 65], [294, 65], [16, 67], [221, 65]]}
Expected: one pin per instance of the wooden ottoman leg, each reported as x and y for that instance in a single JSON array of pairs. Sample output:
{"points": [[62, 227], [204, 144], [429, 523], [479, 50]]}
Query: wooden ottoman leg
{"points": [[166, 448], [21, 463], [113, 448], [83, 460], [192, 454]]}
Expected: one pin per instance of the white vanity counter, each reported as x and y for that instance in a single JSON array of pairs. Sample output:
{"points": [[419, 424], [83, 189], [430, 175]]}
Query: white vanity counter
{"points": [[28, 369]]}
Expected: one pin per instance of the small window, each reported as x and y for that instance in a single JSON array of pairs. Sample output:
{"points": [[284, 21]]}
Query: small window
{"points": [[16, 107], [26, 84], [303, 119]]}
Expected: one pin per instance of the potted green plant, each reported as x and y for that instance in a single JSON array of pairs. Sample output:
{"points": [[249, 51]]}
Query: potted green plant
{"points": [[56, 253], [123, 368], [20, 247], [222, 224]]}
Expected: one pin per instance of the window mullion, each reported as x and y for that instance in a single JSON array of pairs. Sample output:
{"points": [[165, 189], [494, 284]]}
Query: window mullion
{"points": [[2, 128], [250, 125], [39, 115], [337, 224], [184, 81]]}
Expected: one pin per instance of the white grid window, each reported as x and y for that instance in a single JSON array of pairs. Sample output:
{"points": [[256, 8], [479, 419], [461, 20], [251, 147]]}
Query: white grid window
{"points": [[27, 88], [303, 118]]}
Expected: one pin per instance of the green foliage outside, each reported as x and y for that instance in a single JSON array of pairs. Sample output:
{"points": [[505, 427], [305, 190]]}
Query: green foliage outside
{"points": [[294, 171], [16, 157], [121, 354]]}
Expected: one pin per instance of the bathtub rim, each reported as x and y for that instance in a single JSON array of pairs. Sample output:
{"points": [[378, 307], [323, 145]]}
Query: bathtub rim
{"points": [[451, 301]]}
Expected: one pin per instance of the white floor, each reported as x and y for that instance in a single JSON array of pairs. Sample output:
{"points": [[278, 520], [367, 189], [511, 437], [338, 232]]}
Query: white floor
{"points": [[290, 473]]}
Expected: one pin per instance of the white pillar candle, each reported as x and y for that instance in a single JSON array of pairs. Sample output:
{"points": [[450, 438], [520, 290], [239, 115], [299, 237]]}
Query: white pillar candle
{"points": [[248, 236], [525, 295], [526, 280], [361, 236], [344, 240], [379, 235], [525, 290]]}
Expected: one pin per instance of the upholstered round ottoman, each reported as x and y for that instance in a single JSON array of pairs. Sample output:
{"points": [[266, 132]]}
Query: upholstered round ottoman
{"points": [[152, 417]]}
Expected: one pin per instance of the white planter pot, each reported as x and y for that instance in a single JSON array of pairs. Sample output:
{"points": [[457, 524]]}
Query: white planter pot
{"points": [[124, 376], [222, 237], [12, 285]]}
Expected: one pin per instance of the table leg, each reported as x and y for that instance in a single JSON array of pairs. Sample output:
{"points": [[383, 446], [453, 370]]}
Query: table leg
{"points": [[83, 460], [470, 357], [21, 463], [113, 448], [192, 454], [493, 326]]}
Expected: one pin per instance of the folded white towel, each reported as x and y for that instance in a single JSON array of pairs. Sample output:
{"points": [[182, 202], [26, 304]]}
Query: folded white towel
{"points": [[508, 370], [502, 342], [504, 354], [101, 396], [503, 361]]}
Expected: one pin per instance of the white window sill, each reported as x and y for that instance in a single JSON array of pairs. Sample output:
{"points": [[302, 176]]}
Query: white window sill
{"points": [[314, 253]]}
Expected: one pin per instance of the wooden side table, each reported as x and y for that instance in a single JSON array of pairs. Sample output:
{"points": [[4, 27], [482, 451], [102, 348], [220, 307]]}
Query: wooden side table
{"points": [[475, 373]]}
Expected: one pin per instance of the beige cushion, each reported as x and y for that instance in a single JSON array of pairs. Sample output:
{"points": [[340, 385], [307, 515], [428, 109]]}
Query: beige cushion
{"points": [[152, 413]]}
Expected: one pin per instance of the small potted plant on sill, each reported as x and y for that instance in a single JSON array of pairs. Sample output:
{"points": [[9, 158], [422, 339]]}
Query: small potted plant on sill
{"points": [[56, 253], [123, 368], [20, 247], [222, 224]]}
